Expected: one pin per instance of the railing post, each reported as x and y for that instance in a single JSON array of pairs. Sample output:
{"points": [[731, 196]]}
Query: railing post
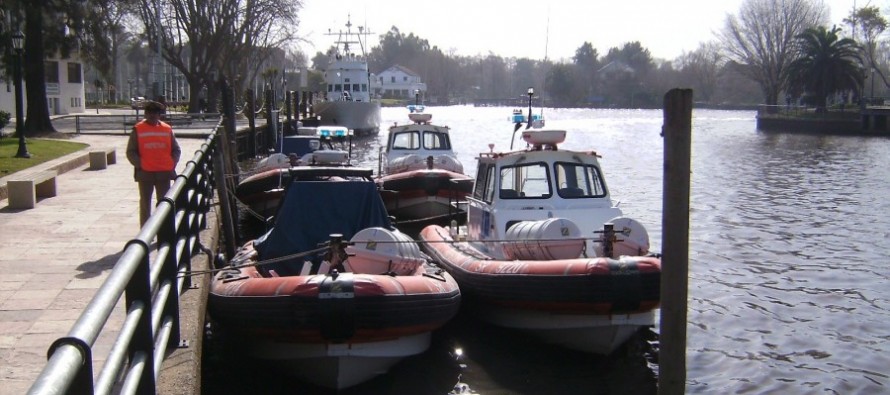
{"points": [[139, 290], [170, 234]]}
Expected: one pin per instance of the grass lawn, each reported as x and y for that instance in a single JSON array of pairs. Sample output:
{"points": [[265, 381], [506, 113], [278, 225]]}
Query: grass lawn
{"points": [[41, 150]]}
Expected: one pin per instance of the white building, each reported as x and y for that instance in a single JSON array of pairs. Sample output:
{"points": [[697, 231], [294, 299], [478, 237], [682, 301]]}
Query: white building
{"points": [[64, 88], [398, 82]]}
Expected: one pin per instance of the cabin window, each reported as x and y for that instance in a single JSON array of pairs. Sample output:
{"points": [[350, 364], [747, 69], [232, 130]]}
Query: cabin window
{"points": [[576, 180], [436, 141], [525, 181], [484, 186], [407, 140]]}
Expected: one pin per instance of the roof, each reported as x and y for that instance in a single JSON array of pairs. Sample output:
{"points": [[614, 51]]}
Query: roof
{"points": [[399, 68]]}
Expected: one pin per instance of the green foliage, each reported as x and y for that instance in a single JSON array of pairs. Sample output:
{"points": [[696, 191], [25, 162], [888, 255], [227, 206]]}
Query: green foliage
{"points": [[41, 150], [826, 64], [4, 119]]}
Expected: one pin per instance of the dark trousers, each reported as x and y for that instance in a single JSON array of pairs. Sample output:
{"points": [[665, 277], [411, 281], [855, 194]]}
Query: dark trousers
{"points": [[146, 188]]}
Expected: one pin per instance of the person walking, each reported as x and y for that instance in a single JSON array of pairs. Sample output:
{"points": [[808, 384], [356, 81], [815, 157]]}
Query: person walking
{"points": [[154, 152]]}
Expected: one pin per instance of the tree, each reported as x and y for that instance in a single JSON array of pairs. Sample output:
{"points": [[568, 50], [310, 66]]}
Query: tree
{"points": [[867, 24], [231, 38], [699, 69], [826, 65], [105, 36], [586, 60], [627, 81], [397, 48], [562, 87], [47, 25], [760, 40]]}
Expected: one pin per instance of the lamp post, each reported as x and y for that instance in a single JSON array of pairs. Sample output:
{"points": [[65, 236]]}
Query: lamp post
{"points": [[18, 41], [531, 92], [872, 85]]}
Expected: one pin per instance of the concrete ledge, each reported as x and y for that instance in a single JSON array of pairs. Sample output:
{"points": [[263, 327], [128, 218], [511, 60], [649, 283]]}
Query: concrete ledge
{"points": [[849, 127], [66, 163]]}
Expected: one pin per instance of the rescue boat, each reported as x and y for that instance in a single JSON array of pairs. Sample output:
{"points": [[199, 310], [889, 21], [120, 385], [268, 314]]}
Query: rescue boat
{"points": [[339, 314], [421, 180], [262, 189], [545, 250]]}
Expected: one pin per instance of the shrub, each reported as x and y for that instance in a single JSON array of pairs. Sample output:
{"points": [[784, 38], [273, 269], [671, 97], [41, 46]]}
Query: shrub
{"points": [[4, 119]]}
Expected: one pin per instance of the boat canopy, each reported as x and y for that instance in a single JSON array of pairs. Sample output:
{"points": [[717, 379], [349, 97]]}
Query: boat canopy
{"points": [[313, 210]]}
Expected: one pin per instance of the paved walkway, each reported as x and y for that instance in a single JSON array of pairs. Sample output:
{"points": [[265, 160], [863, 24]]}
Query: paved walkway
{"points": [[55, 256]]}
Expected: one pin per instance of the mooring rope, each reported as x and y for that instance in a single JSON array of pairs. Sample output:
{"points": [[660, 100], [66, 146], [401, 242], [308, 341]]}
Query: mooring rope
{"points": [[257, 263]]}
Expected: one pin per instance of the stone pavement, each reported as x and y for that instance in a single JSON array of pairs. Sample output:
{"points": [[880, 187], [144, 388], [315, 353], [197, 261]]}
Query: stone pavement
{"points": [[55, 256]]}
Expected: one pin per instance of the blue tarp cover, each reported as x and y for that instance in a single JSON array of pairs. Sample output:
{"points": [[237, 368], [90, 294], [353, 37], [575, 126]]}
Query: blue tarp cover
{"points": [[311, 211]]}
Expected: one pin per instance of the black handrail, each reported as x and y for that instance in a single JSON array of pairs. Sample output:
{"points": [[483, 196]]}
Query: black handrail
{"points": [[151, 289]]}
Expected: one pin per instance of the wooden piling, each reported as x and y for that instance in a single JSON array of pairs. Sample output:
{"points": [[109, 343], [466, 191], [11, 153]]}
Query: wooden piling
{"points": [[250, 113], [677, 133], [223, 170]]}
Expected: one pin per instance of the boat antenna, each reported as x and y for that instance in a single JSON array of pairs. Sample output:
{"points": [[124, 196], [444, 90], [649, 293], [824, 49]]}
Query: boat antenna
{"points": [[546, 45]]}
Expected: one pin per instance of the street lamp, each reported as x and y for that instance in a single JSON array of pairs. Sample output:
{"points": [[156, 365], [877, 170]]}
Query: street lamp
{"points": [[18, 41], [531, 92]]}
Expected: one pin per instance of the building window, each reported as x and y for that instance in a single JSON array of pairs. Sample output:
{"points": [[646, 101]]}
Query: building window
{"points": [[74, 75], [405, 78], [393, 80], [52, 72]]}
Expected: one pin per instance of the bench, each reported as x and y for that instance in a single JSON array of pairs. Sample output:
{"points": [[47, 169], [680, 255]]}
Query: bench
{"points": [[101, 158], [25, 189]]}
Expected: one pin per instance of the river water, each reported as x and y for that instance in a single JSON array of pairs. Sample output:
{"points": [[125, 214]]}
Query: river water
{"points": [[789, 241]]}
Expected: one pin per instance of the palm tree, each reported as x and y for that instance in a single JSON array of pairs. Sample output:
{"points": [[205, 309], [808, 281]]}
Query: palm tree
{"points": [[825, 65]]}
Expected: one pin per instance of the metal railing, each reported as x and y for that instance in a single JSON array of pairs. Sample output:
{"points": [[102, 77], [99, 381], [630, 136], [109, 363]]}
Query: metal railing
{"points": [[150, 276], [84, 124]]}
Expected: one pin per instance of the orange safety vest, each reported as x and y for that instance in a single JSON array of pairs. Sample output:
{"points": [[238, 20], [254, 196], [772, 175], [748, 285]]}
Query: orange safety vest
{"points": [[155, 146]]}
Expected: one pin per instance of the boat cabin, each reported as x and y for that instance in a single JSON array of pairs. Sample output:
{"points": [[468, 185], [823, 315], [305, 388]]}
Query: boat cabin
{"points": [[347, 79], [536, 184], [409, 146]]}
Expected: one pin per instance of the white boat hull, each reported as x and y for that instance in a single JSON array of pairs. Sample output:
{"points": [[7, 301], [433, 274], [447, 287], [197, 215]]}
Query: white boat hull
{"points": [[597, 334], [362, 117], [343, 365]]}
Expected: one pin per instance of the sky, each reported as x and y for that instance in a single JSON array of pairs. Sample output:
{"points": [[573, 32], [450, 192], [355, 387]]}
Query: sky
{"points": [[520, 28]]}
